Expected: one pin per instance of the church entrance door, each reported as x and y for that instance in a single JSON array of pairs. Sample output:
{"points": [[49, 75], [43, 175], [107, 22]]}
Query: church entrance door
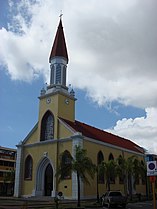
{"points": [[48, 186]]}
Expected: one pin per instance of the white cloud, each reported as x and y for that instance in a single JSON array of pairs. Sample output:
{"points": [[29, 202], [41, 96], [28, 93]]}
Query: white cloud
{"points": [[142, 130], [111, 44], [25, 46]]}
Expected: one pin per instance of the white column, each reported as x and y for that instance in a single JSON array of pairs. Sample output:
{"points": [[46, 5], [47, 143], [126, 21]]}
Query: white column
{"points": [[18, 174], [77, 140]]}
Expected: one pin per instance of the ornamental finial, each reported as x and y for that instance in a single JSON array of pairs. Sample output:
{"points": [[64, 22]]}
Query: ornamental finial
{"points": [[61, 15]]}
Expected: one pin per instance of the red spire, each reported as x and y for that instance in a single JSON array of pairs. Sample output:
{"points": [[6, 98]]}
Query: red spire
{"points": [[59, 48]]}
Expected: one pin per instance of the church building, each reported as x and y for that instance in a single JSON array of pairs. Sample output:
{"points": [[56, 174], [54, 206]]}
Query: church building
{"points": [[57, 131]]}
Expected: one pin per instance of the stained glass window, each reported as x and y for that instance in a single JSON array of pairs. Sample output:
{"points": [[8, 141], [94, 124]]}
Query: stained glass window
{"points": [[47, 127]]}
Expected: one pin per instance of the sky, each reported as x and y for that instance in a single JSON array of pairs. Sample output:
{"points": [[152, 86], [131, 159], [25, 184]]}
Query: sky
{"points": [[112, 49]]}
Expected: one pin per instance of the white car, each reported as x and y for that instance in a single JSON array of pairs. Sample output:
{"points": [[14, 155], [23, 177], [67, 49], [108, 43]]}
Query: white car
{"points": [[114, 198]]}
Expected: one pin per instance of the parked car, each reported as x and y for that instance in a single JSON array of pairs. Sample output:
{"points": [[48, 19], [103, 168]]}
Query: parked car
{"points": [[114, 198]]}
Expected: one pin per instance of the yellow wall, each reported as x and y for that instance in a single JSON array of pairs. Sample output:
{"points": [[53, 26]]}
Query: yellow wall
{"points": [[58, 107], [92, 151], [66, 185], [33, 136], [37, 153], [64, 132]]}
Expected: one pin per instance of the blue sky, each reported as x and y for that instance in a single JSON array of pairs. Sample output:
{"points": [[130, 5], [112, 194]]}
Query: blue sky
{"points": [[112, 65]]}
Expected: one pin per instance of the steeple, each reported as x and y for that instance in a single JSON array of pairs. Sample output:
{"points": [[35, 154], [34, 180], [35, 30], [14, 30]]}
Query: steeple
{"points": [[58, 61], [58, 68], [59, 48]]}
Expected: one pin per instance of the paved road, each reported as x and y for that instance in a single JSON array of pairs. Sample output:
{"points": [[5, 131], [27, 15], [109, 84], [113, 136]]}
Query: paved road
{"points": [[139, 205], [142, 205]]}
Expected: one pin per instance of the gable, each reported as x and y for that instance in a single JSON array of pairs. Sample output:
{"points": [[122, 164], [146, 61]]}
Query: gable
{"points": [[32, 136], [65, 131]]}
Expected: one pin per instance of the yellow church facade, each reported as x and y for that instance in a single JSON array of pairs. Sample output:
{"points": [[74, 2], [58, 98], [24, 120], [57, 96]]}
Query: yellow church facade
{"points": [[57, 131]]}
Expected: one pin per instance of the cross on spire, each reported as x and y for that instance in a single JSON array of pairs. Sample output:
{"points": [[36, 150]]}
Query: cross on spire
{"points": [[61, 15], [59, 48]]}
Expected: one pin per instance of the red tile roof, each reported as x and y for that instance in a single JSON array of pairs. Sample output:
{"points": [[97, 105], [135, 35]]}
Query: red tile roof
{"points": [[59, 46], [103, 136]]}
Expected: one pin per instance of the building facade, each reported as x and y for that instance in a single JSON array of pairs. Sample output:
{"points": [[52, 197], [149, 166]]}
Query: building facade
{"points": [[57, 132], [7, 170]]}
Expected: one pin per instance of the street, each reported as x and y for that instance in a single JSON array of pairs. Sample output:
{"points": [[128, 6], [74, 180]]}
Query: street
{"points": [[19, 204], [143, 205]]}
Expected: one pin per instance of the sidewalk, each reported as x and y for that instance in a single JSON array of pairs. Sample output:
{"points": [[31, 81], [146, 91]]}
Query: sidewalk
{"points": [[23, 203], [39, 202]]}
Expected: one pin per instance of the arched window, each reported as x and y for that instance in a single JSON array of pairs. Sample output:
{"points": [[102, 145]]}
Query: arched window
{"points": [[47, 127], [110, 157], [58, 74], [66, 165], [28, 168], [52, 74], [100, 159], [64, 76], [121, 169], [112, 174]]}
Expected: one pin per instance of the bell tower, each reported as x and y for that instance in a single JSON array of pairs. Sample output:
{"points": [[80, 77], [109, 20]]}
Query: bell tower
{"points": [[57, 98], [58, 60]]}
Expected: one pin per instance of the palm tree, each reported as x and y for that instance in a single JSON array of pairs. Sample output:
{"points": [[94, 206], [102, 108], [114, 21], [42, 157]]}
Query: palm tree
{"points": [[143, 171], [122, 171], [81, 165], [99, 170], [109, 170], [128, 169], [143, 175]]}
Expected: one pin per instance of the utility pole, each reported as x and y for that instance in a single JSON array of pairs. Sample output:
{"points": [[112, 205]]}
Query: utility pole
{"points": [[152, 173], [152, 180]]}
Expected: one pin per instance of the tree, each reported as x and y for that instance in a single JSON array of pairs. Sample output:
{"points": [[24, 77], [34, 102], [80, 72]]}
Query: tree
{"points": [[99, 175], [143, 171], [122, 171], [143, 175], [109, 170], [8, 179], [80, 164], [129, 169]]}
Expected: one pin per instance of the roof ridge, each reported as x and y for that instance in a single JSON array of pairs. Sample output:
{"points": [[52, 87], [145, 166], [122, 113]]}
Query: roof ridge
{"points": [[104, 136], [104, 131]]}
